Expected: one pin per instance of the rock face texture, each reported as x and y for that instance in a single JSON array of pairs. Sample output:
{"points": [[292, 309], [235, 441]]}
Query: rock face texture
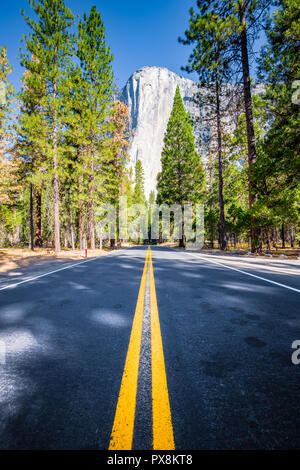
{"points": [[149, 94]]}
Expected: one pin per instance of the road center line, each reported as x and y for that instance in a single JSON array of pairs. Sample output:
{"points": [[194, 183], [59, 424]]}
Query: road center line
{"points": [[244, 272], [163, 438], [123, 427]]}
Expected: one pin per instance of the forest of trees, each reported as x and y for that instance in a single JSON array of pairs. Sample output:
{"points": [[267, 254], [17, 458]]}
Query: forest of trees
{"points": [[64, 137], [253, 189]]}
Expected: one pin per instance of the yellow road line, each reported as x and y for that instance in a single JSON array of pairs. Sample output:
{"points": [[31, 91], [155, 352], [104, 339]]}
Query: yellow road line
{"points": [[163, 438], [122, 432]]}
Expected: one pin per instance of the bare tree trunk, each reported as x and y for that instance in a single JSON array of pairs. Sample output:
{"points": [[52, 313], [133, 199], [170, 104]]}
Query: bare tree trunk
{"points": [[223, 240], [234, 240], [81, 228], [292, 239], [65, 240], [268, 240], [16, 233], [182, 239], [282, 236], [72, 232], [211, 224], [92, 224], [38, 218], [92, 205], [249, 122], [211, 233], [31, 244], [55, 178]]}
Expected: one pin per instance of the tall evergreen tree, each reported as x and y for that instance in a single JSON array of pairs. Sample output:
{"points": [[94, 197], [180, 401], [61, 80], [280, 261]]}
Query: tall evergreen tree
{"points": [[31, 132], [278, 166], [182, 178], [243, 20], [10, 184], [7, 166], [127, 185], [210, 59], [280, 70], [139, 191], [96, 81], [152, 197], [47, 49], [116, 159]]}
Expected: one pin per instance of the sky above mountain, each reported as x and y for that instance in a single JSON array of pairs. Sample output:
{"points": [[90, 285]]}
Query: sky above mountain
{"points": [[139, 32]]}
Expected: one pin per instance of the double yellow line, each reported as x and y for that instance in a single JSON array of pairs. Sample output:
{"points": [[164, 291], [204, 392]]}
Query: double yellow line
{"points": [[123, 427]]}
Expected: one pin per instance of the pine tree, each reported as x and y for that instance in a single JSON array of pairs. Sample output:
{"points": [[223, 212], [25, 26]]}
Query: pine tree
{"points": [[127, 185], [116, 156], [152, 197], [96, 80], [7, 165], [242, 21], [77, 135], [245, 19], [31, 130], [210, 59], [278, 166], [280, 69], [182, 178], [139, 191], [47, 51], [10, 185]]}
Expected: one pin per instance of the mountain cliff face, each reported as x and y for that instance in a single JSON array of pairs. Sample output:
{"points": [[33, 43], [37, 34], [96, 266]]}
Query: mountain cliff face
{"points": [[149, 94]]}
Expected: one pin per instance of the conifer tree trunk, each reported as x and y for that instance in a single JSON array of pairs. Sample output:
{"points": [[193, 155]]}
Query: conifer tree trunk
{"points": [[211, 223], [72, 231], [55, 178], [38, 218], [81, 228], [92, 204], [268, 240], [292, 238], [223, 240], [31, 245], [16, 233], [92, 224], [182, 239], [211, 233], [249, 121], [282, 236]]}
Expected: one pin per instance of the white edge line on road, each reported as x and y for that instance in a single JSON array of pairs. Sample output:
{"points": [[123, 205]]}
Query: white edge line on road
{"points": [[240, 271], [10, 286]]}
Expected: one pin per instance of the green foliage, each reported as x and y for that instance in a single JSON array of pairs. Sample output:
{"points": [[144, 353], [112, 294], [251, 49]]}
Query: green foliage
{"points": [[71, 133], [152, 197], [277, 169], [70, 138], [89, 104], [182, 178], [139, 191]]}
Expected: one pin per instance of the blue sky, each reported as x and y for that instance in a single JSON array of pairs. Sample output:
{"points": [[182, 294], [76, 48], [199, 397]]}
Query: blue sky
{"points": [[139, 32]]}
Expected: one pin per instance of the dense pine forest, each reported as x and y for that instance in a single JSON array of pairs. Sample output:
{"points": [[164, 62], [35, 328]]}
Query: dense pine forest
{"points": [[64, 137]]}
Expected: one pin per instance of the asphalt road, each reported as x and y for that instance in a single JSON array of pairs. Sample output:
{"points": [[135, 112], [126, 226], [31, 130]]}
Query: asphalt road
{"points": [[223, 344]]}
